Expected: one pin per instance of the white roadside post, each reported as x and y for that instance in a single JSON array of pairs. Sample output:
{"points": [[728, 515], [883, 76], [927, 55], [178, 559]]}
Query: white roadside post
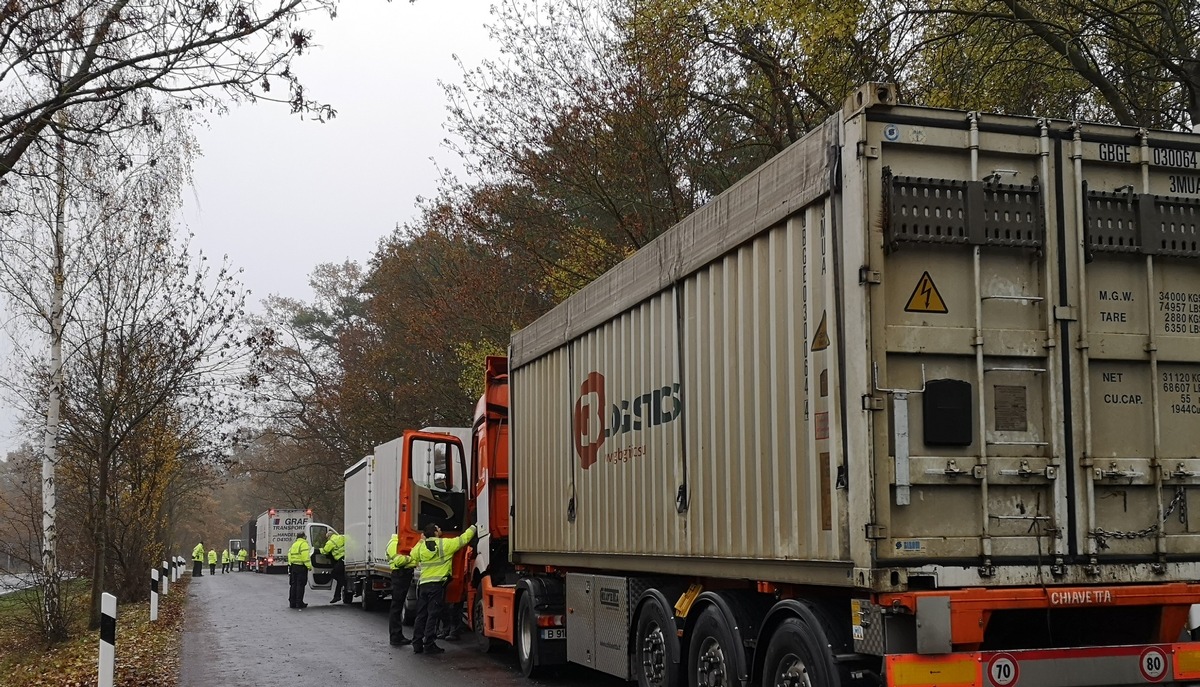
{"points": [[165, 576], [153, 594], [108, 638]]}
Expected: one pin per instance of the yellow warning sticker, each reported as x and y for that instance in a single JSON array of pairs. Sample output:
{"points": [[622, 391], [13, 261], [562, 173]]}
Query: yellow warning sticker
{"points": [[925, 298], [821, 338]]}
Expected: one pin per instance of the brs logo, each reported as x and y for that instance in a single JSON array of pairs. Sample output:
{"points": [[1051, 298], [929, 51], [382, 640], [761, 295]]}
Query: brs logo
{"points": [[596, 420]]}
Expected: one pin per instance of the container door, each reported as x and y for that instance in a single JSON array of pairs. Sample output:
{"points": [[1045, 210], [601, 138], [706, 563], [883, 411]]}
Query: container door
{"points": [[966, 377], [1137, 343]]}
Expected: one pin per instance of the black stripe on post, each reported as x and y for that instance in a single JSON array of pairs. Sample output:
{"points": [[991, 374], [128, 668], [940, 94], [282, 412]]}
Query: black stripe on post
{"points": [[108, 629], [154, 585]]}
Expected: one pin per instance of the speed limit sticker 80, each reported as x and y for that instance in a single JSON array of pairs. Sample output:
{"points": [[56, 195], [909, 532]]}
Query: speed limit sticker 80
{"points": [[1153, 664], [1003, 670]]}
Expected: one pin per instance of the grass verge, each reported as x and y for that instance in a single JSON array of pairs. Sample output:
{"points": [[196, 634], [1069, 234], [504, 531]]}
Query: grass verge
{"points": [[147, 654]]}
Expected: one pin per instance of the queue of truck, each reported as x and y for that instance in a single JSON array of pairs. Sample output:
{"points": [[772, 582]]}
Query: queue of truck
{"points": [[911, 404]]}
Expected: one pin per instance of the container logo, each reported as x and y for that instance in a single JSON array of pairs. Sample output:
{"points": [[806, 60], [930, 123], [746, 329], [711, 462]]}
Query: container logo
{"points": [[596, 420]]}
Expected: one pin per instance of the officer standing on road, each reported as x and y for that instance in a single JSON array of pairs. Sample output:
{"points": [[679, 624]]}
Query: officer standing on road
{"points": [[198, 560], [335, 548], [241, 559], [436, 557], [402, 574], [212, 561], [225, 561], [298, 567]]}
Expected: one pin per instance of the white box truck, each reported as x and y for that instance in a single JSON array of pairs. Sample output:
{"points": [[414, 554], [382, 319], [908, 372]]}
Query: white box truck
{"points": [[371, 497], [276, 530]]}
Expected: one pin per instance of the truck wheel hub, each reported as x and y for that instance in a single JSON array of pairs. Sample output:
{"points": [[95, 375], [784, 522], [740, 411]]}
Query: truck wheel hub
{"points": [[791, 672], [654, 656], [711, 668]]}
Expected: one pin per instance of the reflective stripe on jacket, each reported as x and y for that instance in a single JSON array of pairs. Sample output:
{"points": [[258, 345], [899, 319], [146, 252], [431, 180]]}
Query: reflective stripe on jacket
{"points": [[299, 553], [198, 553], [435, 555]]}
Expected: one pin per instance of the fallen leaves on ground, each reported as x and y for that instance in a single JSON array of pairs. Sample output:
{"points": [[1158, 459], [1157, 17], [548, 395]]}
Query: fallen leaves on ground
{"points": [[147, 654]]}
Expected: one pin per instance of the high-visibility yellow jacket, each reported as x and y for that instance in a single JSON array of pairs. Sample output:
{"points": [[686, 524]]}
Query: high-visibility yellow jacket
{"points": [[397, 559], [225, 556], [335, 547], [198, 553], [212, 556], [435, 555], [242, 555], [299, 553]]}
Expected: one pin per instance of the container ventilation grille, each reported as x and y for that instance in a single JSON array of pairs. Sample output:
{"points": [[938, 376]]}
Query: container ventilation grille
{"points": [[926, 210], [1142, 223]]}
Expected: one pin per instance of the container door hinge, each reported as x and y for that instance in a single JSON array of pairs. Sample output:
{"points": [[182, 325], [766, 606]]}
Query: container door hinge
{"points": [[870, 402], [1066, 313], [866, 275], [868, 151], [876, 531]]}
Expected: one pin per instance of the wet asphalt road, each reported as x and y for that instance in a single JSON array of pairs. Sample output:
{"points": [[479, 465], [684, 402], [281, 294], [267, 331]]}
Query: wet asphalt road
{"points": [[239, 632]]}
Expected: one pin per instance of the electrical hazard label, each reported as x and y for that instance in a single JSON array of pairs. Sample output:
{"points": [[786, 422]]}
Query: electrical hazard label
{"points": [[926, 298], [821, 338]]}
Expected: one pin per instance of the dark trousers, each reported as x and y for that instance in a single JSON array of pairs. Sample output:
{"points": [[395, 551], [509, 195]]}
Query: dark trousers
{"points": [[339, 577], [297, 581], [197, 568], [401, 580], [431, 597]]}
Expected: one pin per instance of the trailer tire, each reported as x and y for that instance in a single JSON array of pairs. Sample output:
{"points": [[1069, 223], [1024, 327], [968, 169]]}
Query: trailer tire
{"points": [[713, 653], [370, 599], [527, 637], [796, 657], [654, 664], [484, 644]]}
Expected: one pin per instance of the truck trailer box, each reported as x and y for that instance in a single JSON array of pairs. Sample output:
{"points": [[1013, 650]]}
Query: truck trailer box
{"points": [[276, 529], [918, 349], [249, 540], [371, 488]]}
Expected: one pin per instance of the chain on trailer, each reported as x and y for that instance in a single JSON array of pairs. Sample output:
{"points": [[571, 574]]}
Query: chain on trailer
{"points": [[1180, 502]]}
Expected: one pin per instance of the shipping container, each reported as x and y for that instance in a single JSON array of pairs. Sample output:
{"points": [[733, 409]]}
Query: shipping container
{"points": [[926, 384]]}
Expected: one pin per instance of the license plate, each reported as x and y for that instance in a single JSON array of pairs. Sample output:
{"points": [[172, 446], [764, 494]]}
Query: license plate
{"points": [[554, 633]]}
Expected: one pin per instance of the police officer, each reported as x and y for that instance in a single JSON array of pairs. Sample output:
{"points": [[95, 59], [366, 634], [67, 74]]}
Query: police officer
{"points": [[212, 561], [402, 574], [436, 557], [198, 560], [225, 561], [298, 567], [335, 548], [241, 558]]}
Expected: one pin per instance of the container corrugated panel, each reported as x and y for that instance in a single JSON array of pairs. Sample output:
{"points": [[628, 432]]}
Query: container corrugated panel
{"points": [[974, 361]]}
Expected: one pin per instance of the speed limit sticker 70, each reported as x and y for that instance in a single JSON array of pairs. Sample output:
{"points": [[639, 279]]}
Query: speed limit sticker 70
{"points": [[1153, 664], [1003, 670]]}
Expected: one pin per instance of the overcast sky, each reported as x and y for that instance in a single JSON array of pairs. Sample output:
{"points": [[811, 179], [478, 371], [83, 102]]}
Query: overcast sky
{"points": [[279, 194]]}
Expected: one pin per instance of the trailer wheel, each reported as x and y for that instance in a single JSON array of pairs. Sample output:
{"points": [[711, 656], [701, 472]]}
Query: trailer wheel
{"points": [[653, 663], [370, 600], [712, 652], [527, 637], [796, 658], [482, 643]]}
